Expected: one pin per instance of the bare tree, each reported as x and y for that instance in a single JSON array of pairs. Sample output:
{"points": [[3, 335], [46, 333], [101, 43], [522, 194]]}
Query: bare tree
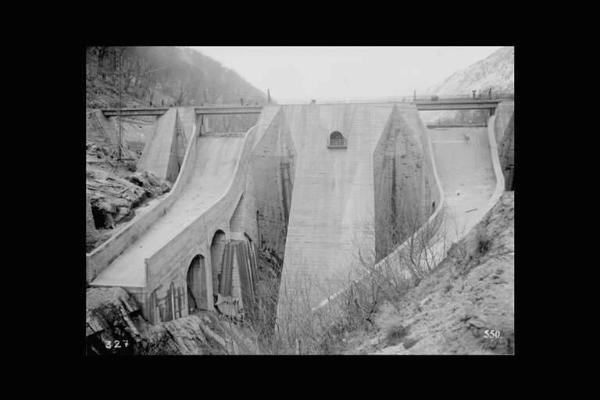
{"points": [[368, 284]]}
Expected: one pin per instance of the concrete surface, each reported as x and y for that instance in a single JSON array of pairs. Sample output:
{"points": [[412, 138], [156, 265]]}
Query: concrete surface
{"points": [[332, 194], [280, 186], [151, 256], [467, 168], [406, 190], [214, 168], [464, 163], [333, 207], [161, 155]]}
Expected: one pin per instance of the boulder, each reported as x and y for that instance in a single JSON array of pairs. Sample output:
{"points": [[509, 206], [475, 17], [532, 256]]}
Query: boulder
{"points": [[113, 199]]}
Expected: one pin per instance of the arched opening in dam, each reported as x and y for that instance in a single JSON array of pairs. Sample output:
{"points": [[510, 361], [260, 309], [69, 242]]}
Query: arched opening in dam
{"points": [[216, 259], [196, 285], [337, 140]]}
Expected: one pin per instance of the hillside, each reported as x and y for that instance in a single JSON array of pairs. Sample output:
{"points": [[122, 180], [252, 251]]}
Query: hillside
{"points": [[161, 76], [449, 312], [495, 71]]}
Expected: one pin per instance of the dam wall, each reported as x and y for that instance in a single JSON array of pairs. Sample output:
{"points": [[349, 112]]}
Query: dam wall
{"points": [[320, 188], [226, 168], [225, 236], [339, 192], [469, 180], [270, 181], [414, 132], [103, 255], [163, 153], [228, 123], [205, 234], [187, 118], [406, 193]]}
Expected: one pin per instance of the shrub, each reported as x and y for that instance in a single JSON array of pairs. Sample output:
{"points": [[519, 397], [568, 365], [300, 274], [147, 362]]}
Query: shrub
{"points": [[395, 334]]}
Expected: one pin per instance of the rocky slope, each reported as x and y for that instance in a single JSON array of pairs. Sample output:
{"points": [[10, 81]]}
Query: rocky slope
{"points": [[114, 197], [115, 191], [449, 312], [115, 326], [495, 71]]}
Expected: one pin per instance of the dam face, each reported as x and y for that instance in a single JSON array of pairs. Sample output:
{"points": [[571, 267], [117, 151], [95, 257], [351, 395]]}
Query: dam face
{"points": [[306, 197], [343, 196]]}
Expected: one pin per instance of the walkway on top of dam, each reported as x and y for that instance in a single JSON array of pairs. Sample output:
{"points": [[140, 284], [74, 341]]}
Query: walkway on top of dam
{"points": [[457, 104], [212, 110], [423, 103]]}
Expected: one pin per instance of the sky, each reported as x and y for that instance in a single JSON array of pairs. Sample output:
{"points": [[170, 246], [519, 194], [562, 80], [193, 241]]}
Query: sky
{"points": [[344, 73]]}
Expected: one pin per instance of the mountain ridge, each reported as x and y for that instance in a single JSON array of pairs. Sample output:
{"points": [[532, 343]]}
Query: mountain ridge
{"points": [[163, 76], [495, 71]]}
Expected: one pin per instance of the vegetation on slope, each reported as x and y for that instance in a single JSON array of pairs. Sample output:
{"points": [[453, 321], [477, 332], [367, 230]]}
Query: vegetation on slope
{"points": [[144, 76], [459, 307]]}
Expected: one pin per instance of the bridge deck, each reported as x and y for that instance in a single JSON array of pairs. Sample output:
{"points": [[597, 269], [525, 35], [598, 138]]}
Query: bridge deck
{"points": [[148, 111], [442, 104], [472, 104]]}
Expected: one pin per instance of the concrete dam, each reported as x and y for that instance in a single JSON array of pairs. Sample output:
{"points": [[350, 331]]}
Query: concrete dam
{"points": [[315, 185]]}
